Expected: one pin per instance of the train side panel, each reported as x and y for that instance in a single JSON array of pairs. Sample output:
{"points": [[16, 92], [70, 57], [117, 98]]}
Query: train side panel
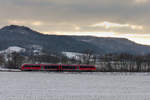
{"points": [[31, 67], [56, 67], [87, 68]]}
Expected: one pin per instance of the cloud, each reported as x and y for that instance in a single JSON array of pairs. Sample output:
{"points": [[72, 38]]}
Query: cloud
{"points": [[108, 25], [141, 1], [25, 22], [64, 16]]}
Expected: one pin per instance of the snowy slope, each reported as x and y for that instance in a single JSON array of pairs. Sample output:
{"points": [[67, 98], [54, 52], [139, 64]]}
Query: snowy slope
{"points": [[13, 49], [73, 54]]}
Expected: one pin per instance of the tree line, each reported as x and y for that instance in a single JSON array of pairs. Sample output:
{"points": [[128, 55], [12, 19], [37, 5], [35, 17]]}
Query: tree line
{"points": [[124, 62], [113, 62]]}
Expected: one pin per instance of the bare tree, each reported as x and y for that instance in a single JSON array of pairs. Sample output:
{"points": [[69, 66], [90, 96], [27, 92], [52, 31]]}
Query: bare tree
{"points": [[87, 56], [15, 60], [2, 60]]}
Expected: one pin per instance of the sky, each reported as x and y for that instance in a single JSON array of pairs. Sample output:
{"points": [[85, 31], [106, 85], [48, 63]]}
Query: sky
{"points": [[104, 18]]}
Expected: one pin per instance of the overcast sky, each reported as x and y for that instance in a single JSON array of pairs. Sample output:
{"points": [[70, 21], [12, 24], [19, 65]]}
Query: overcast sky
{"points": [[108, 18]]}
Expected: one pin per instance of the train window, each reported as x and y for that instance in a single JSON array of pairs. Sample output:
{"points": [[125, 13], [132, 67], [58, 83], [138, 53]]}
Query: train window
{"points": [[51, 67], [68, 67], [87, 67], [31, 65]]}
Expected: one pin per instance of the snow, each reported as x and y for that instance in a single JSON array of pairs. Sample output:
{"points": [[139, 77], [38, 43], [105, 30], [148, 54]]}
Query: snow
{"points": [[2, 69], [13, 49], [10, 50], [9, 70], [74, 86], [72, 54]]}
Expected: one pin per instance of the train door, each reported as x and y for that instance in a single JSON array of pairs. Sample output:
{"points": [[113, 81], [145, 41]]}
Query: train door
{"points": [[78, 68], [42, 67], [60, 68]]}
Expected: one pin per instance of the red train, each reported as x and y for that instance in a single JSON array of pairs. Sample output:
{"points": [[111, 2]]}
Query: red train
{"points": [[57, 67]]}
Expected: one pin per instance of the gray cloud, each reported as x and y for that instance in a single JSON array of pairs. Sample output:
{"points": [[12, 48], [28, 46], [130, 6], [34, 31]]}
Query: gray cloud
{"points": [[66, 15]]}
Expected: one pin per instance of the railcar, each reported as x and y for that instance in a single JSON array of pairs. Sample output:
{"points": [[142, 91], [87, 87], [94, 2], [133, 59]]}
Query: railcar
{"points": [[57, 67]]}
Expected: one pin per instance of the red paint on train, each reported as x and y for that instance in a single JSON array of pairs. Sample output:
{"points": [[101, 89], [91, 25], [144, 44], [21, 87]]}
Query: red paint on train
{"points": [[57, 67]]}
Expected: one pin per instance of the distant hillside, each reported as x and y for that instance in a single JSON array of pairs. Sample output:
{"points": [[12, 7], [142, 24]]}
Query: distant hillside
{"points": [[115, 45], [25, 37]]}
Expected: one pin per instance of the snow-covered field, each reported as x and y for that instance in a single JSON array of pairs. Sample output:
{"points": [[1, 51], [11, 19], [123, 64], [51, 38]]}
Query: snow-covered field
{"points": [[74, 86]]}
